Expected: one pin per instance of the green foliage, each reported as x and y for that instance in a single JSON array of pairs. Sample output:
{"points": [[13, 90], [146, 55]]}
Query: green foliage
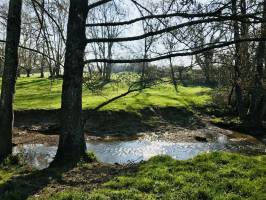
{"points": [[214, 176]]}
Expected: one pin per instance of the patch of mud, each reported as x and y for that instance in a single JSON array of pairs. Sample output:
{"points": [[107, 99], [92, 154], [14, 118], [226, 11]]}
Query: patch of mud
{"points": [[21, 136]]}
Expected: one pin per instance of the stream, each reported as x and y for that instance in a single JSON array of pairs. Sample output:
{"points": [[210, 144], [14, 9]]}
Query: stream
{"points": [[135, 150]]}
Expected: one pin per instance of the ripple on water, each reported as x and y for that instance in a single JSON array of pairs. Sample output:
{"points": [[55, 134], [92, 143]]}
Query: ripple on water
{"points": [[122, 152]]}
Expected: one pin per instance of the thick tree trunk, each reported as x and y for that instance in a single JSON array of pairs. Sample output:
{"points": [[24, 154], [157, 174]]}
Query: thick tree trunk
{"points": [[9, 77], [72, 142], [257, 107]]}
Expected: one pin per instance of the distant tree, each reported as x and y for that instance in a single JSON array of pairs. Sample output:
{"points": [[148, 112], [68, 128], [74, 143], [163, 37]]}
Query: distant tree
{"points": [[109, 12]]}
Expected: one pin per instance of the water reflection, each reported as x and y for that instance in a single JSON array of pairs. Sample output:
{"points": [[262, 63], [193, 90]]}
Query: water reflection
{"points": [[135, 151], [122, 152], [36, 155]]}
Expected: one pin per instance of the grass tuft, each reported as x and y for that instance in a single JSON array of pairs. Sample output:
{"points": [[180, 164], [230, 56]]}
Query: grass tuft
{"points": [[212, 176]]}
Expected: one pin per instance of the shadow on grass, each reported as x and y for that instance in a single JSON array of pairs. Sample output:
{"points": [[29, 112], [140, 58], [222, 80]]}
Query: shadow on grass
{"points": [[86, 176], [36, 82], [23, 186]]}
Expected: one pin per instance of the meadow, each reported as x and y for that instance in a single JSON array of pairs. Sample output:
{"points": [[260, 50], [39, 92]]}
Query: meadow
{"points": [[44, 93]]}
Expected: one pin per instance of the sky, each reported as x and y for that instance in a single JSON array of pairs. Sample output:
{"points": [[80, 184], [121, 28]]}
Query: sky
{"points": [[136, 48]]}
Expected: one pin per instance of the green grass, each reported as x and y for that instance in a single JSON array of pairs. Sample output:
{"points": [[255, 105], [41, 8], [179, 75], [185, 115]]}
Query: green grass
{"points": [[10, 167], [38, 93], [210, 176], [6, 175], [215, 176]]}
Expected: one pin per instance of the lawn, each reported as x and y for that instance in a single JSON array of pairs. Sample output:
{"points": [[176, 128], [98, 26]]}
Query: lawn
{"points": [[215, 176], [43, 93]]}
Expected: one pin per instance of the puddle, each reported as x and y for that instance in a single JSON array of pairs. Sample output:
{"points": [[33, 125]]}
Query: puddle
{"points": [[123, 152]]}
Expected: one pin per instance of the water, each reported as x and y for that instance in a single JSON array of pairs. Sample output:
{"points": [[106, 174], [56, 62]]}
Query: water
{"points": [[136, 151], [123, 152]]}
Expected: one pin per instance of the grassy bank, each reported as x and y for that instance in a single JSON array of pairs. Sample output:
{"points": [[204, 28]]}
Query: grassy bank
{"points": [[208, 176], [43, 93]]}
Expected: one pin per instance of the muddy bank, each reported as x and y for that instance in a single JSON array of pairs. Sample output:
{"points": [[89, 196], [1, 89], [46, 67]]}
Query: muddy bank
{"points": [[121, 137], [110, 122], [168, 124]]}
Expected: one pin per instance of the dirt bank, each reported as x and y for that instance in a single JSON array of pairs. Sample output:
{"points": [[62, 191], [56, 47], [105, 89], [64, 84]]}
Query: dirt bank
{"points": [[172, 124]]}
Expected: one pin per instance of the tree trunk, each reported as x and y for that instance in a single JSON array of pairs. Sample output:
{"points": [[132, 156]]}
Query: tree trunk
{"points": [[238, 103], [9, 77], [173, 74], [42, 63], [72, 142], [109, 65], [18, 72], [28, 72], [257, 107], [57, 66], [208, 59], [42, 68]]}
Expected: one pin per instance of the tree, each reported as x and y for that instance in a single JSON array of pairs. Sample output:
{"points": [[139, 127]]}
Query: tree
{"points": [[9, 77], [257, 107], [72, 143], [106, 13]]}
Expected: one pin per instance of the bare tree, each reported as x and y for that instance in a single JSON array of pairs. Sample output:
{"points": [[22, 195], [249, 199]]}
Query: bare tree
{"points": [[109, 12]]}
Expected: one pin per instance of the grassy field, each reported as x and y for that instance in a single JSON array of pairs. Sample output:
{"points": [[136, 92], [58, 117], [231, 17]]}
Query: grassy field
{"points": [[43, 93], [213, 176]]}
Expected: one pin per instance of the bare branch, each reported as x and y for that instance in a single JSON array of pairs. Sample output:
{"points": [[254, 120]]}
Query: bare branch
{"points": [[168, 29], [98, 3], [171, 55], [35, 51], [50, 16]]}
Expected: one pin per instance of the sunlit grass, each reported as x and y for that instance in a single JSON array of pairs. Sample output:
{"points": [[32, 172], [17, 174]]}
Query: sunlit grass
{"points": [[44, 93], [213, 176]]}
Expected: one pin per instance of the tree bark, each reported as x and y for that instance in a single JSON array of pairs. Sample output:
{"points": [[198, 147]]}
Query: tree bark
{"points": [[257, 106], [173, 74], [42, 67], [9, 77], [109, 65], [72, 144], [28, 72], [238, 103]]}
